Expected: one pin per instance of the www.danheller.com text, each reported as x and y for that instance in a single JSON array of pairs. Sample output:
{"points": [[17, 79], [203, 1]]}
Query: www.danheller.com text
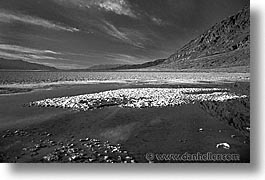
{"points": [[209, 156]]}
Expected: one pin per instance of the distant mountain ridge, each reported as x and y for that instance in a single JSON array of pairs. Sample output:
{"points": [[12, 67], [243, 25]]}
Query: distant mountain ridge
{"points": [[22, 65], [225, 45], [126, 66], [104, 66], [143, 65]]}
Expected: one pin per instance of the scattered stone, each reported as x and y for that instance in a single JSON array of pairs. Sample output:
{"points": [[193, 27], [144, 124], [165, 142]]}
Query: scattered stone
{"points": [[17, 132], [17, 157], [34, 153], [223, 145], [106, 157], [200, 130], [88, 150], [51, 157], [4, 136], [183, 140]]}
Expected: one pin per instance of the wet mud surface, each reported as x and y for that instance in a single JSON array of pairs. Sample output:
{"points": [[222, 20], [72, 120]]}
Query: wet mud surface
{"points": [[126, 135]]}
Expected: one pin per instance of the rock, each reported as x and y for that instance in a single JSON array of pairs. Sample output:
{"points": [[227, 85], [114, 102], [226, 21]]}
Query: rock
{"points": [[183, 140], [4, 136], [8, 131], [91, 150], [223, 145], [106, 157], [34, 153], [200, 130], [128, 158]]}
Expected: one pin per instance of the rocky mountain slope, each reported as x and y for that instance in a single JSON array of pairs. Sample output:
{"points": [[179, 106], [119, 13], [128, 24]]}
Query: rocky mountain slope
{"points": [[225, 47], [226, 44], [22, 65]]}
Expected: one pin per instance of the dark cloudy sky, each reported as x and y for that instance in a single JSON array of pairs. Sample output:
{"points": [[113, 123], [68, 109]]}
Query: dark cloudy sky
{"points": [[80, 33]]}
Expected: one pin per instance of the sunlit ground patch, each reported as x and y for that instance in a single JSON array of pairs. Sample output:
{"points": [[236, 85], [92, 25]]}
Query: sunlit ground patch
{"points": [[139, 98]]}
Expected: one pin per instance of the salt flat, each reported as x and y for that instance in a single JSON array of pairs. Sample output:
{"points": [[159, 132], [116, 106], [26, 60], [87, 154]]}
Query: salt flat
{"points": [[140, 98]]}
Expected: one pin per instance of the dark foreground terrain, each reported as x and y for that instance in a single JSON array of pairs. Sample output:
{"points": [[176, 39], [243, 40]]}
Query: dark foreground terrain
{"points": [[114, 134]]}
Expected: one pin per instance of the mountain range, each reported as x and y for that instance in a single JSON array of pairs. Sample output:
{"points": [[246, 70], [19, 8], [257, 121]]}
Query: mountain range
{"points": [[22, 65], [225, 47]]}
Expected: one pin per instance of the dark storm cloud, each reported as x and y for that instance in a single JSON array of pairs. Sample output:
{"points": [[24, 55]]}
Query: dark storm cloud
{"points": [[87, 32]]}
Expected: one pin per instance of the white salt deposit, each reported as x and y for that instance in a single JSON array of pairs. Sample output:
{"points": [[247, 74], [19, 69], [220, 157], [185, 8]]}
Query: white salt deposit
{"points": [[140, 98]]}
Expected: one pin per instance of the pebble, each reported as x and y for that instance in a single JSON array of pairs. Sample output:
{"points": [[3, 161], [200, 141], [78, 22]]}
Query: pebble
{"points": [[17, 132], [84, 150], [200, 130], [183, 140], [223, 145], [17, 157]]}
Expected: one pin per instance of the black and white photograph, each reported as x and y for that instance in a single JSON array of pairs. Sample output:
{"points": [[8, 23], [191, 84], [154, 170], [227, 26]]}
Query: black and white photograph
{"points": [[125, 81]]}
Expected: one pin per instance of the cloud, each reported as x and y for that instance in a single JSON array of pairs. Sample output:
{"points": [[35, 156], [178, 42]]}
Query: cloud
{"points": [[18, 52], [21, 49], [157, 21], [52, 52], [137, 36], [45, 57], [113, 31], [123, 58], [120, 7], [8, 17], [128, 36], [64, 65], [21, 56]]}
